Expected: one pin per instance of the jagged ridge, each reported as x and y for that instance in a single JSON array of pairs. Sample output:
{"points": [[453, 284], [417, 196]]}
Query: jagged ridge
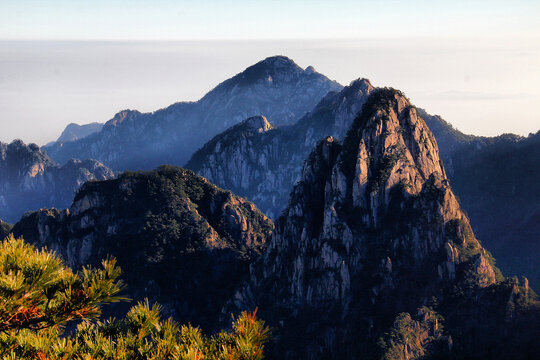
{"points": [[373, 230]]}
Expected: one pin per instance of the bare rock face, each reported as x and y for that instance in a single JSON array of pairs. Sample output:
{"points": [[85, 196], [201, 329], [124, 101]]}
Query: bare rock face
{"points": [[179, 239], [371, 230], [30, 180], [262, 163], [383, 194]]}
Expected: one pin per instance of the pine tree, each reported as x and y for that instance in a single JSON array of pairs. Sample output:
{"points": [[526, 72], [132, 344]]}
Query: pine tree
{"points": [[39, 294], [38, 291]]}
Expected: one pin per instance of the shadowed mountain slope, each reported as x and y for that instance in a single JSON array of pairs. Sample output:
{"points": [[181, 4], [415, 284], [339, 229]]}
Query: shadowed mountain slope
{"points": [[179, 239]]}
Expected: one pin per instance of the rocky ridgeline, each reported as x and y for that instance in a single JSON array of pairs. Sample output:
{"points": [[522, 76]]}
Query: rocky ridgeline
{"points": [[373, 233], [275, 87], [179, 239], [30, 180], [262, 163]]}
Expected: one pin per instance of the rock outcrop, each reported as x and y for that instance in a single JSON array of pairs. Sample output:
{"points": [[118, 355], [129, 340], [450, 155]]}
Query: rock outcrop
{"points": [[373, 230], [30, 180], [275, 87], [263, 163], [179, 239]]}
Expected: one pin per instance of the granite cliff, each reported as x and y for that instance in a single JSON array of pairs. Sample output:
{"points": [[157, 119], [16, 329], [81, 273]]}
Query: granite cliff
{"points": [[262, 162], [373, 255]]}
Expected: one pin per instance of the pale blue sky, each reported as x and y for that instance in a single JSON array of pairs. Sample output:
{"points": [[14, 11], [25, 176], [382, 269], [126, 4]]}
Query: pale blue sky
{"points": [[476, 63], [264, 19]]}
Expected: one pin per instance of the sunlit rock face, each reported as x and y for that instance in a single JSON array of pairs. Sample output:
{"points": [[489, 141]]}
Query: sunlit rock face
{"points": [[372, 230]]}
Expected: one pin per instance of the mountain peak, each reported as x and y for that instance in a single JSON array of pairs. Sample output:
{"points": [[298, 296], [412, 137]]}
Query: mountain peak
{"points": [[258, 123], [278, 60], [30, 179], [123, 116], [29, 154], [74, 131], [275, 87], [200, 232], [360, 83], [372, 222], [310, 70], [270, 70]]}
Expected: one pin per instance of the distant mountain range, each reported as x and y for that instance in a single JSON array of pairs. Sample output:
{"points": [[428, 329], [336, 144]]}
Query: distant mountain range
{"points": [[275, 87]]}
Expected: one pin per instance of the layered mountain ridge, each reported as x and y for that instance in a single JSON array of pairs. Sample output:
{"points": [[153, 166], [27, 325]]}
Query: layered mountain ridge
{"points": [[275, 87], [30, 180], [179, 239], [373, 256], [264, 165], [373, 231]]}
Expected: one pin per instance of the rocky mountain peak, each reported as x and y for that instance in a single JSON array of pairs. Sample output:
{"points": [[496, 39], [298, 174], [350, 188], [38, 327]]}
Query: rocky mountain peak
{"points": [[278, 62], [392, 145], [359, 85], [123, 116], [372, 222], [258, 124], [275, 69], [18, 154], [310, 70]]}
